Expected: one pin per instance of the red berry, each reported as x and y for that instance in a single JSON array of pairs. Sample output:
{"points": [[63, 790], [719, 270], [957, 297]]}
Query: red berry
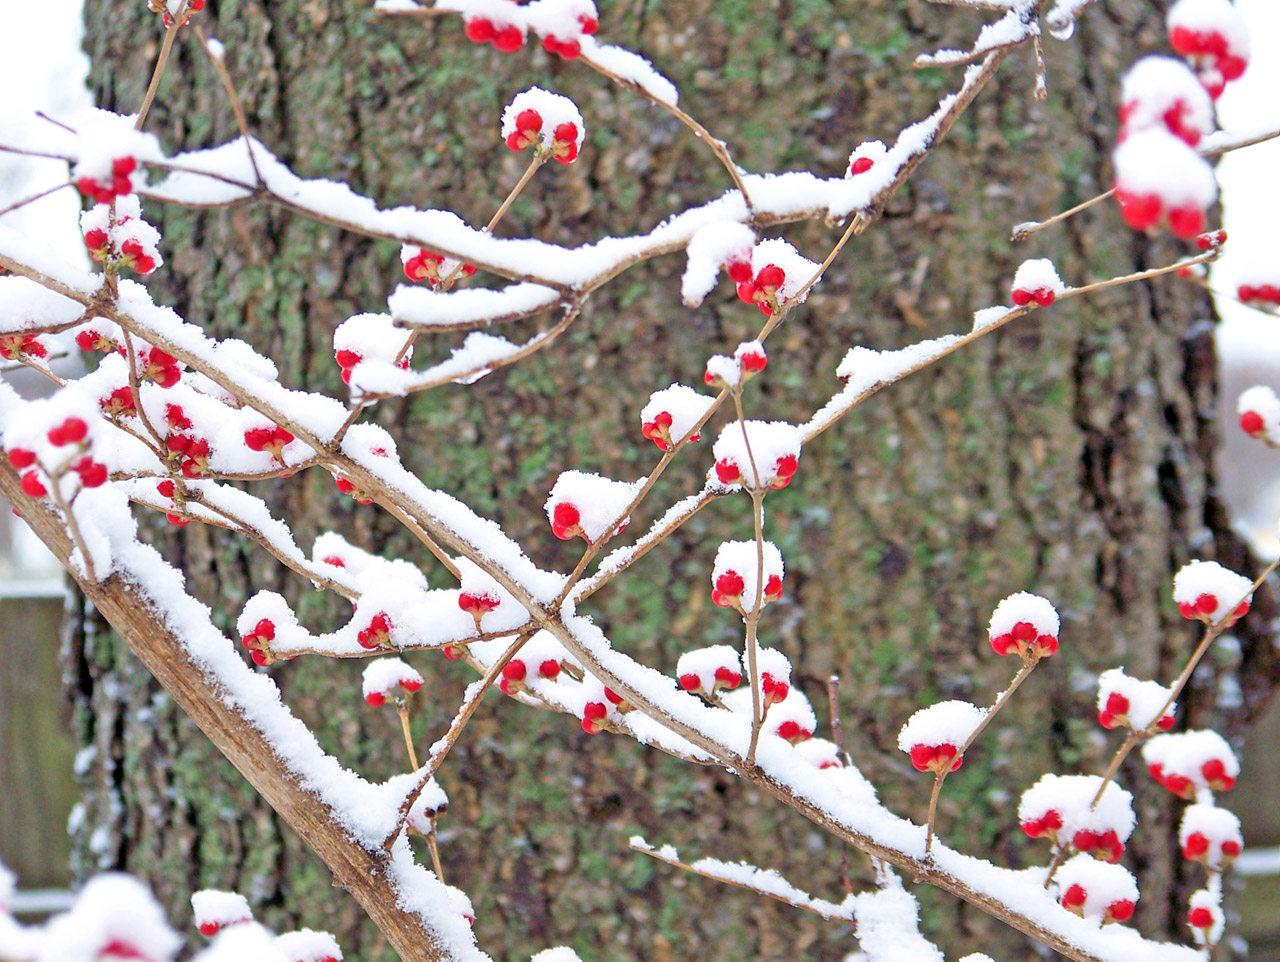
{"points": [[32, 487], [771, 277], [728, 472], [1120, 911], [739, 271], [1251, 423], [265, 629], [753, 361], [479, 30], [861, 165], [177, 520], [549, 669], [727, 677], [1196, 846], [1140, 211], [514, 670], [1021, 297], [690, 682], [1074, 896], [1186, 222], [508, 39], [588, 24], [95, 239], [1230, 848], [256, 439], [1200, 918], [376, 699], [565, 514], [1117, 704], [21, 458], [92, 473], [70, 431], [922, 757], [209, 929]]}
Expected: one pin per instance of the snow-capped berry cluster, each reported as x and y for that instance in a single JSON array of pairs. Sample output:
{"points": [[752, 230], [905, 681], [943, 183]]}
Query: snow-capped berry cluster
{"points": [[499, 22], [125, 241], [1026, 625], [265, 619], [1036, 280], [308, 945], [424, 265], [563, 23], [934, 737], [1163, 93], [588, 506], [778, 272], [54, 445], [376, 632], [213, 910], [431, 803], [1212, 35], [369, 337], [1187, 763], [670, 415], [1096, 890], [1208, 592], [723, 244], [1258, 282], [1211, 836], [1259, 411], [1061, 808], [775, 675], [1205, 917], [541, 657], [709, 670], [108, 150], [114, 918], [383, 675], [734, 581], [748, 360], [774, 450], [865, 156], [1160, 180], [1133, 703], [552, 123]]}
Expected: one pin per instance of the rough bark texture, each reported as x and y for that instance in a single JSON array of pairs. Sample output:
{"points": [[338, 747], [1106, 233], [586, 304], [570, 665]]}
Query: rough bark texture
{"points": [[1067, 455]]}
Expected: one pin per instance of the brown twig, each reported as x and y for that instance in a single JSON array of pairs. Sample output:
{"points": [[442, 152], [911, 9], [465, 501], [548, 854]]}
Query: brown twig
{"points": [[170, 34]]}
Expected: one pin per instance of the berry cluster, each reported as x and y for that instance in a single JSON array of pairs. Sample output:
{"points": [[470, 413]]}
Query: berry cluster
{"points": [[1026, 625], [1188, 763], [106, 188], [382, 676], [120, 237], [769, 461], [748, 360], [1061, 808], [934, 736], [61, 453], [1212, 36], [737, 572], [549, 122], [1205, 591], [1036, 281], [1096, 890], [424, 265]]}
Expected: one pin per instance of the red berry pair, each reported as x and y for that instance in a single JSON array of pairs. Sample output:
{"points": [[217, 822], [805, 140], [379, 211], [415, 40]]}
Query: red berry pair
{"points": [[270, 439], [505, 37], [19, 347], [376, 634], [119, 183], [762, 290]]}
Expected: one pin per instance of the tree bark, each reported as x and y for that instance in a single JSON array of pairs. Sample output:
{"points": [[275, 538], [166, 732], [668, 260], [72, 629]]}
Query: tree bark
{"points": [[1069, 455]]}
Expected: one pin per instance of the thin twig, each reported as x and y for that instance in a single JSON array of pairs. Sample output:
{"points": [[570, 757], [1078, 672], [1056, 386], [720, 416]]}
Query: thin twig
{"points": [[220, 67], [170, 33]]}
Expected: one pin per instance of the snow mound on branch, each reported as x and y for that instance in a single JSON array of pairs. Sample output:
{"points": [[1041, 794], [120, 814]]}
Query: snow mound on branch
{"points": [[709, 249], [308, 945]]}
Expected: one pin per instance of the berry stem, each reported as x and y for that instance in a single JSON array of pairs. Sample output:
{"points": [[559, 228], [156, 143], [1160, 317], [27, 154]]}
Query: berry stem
{"points": [[421, 534], [434, 847], [170, 34], [1059, 857], [753, 616], [718, 147], [475, 692], [402, 709], [220, 67], [705, 868], [539, 158], [131, 354], [941, 777], [33, 198], [1210, 634], [828, 417]]}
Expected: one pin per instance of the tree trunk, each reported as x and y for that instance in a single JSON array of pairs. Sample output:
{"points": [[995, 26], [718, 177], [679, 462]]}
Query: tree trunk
{"points": [[1068, 455]]}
